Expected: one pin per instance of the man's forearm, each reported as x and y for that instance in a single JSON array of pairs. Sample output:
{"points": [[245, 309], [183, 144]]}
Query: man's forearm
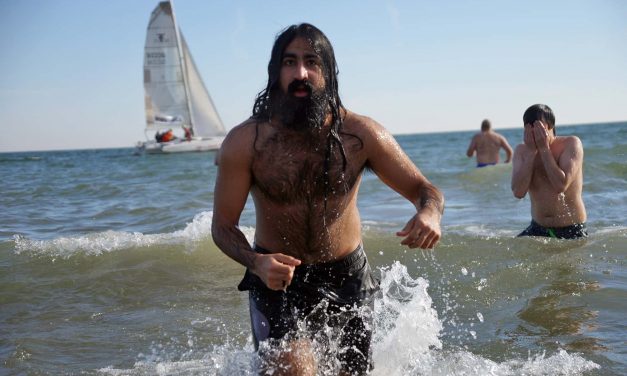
{"points": [[234, 244], [431, 197], [556, 176], [508, 154], [521, 176]]}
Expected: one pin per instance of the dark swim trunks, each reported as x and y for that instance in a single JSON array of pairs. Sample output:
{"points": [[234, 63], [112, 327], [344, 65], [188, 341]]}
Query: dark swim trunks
{"points": [[479, 165], [336, 294], [576, 231]]}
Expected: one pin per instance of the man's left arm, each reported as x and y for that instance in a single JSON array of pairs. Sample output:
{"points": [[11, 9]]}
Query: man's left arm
{"points": [[561, 172], [508, 149], [396, 170]]}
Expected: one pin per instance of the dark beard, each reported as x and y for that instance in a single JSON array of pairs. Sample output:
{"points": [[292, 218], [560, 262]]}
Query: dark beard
{"points": [[301, 113]]}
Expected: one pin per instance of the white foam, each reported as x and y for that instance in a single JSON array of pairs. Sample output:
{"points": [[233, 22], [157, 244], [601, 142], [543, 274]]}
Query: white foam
{"points": [[611, 230], [109, 241], [90, 244], [484, 231], [224, 360]]}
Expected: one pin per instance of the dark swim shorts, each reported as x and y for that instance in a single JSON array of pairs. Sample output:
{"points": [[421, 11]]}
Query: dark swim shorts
{"points": [[479, 165], [576, 231], [336, 294]]}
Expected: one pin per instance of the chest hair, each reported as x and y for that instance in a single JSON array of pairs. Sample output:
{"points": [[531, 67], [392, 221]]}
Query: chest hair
{"points": [[290, 168]]}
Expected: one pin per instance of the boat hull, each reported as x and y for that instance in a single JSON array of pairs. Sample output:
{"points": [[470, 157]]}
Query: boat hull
{"points": [[182, 146]]}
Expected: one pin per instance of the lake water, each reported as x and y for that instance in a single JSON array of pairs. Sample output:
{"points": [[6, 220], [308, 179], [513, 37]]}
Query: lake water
{"points": [[107, 267]]}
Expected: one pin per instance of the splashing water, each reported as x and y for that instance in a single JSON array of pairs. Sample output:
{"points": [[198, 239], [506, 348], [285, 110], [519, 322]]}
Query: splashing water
{"points": [[405, 342], [406, 325]]}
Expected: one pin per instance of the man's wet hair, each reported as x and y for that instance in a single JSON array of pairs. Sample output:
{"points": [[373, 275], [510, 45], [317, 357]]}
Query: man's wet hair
{"points": [[485, 125], [540, 112], [262, 109]]}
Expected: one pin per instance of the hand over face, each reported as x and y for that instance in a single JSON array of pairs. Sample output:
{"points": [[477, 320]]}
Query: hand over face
{"points": [[541, 135], [422, 231]]}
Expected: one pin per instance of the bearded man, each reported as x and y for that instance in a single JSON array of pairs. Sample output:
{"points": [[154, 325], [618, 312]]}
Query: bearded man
{"points": [[301, 156]]}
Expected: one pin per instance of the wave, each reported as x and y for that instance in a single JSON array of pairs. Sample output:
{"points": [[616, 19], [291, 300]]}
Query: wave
{"points": [[20, 158], [199, 230], [110, 241]]}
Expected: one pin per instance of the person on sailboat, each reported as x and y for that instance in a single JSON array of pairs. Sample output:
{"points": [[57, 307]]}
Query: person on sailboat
{"points": [[301, 156], [188, 133], [168, 136]]}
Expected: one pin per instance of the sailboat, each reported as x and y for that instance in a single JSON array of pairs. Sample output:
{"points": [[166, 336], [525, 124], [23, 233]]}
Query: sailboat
{"points": [[176, 98]]}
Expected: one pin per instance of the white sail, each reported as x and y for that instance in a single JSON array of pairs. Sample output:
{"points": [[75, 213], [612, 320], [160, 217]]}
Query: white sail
{"points": [[164, 84], [175, 95], [205, 119]]}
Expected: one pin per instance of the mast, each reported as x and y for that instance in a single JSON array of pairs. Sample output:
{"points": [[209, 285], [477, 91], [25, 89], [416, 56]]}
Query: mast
{"points": [[183, 66]]}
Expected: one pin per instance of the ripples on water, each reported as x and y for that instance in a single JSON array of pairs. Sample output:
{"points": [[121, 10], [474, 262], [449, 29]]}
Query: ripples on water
{"points": [[141, 304], [107, 267]]}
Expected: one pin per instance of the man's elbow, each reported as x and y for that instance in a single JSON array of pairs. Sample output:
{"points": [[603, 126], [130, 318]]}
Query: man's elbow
{"points": [[216, 230], [519, 195], [518, 192]]}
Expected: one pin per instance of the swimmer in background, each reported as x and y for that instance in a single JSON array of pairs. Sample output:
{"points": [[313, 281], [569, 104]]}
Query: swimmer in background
{"points": [[487, 144], [550, 168]]}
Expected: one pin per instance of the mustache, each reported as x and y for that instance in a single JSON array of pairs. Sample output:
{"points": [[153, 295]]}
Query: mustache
{"points": [[299, 84], [299, 113]]}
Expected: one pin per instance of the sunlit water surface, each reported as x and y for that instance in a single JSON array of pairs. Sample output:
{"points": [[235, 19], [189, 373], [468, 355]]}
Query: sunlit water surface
{"points": [[107, 267]]}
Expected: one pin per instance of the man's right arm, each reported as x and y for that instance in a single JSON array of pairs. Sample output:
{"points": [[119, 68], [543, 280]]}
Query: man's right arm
{"points": [[233, 183], [522, 170], [472, 147], [231, 191]]}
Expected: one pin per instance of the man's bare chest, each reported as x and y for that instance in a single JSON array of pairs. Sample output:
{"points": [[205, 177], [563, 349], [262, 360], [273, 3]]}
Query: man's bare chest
{"points": [[289, 171]]}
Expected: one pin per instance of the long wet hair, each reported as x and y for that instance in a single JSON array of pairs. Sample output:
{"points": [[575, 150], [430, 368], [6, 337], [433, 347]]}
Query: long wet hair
{"points": [[322, 46], [262, 109]]}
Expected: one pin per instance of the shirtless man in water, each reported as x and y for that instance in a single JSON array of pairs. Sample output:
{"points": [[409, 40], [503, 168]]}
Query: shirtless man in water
{"points": [[550, 168], [487, 144], [301, 156]]}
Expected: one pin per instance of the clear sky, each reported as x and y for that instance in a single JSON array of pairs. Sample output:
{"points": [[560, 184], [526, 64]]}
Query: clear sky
{"points": [[72, 70]]}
